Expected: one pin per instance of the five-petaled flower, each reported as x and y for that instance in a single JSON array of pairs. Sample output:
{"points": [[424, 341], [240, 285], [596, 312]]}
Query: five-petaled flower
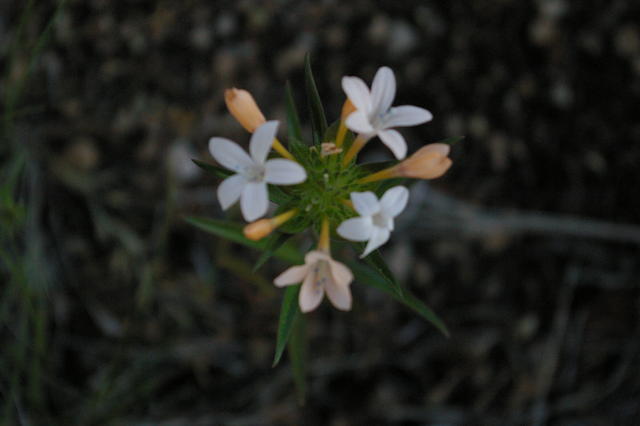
{"points": [[320, 274], [253, 172], [376, 217], [374, 115]]}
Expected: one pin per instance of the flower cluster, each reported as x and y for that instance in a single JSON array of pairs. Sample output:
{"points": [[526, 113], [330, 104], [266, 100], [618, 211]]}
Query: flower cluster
{"points": [[323, 187]]}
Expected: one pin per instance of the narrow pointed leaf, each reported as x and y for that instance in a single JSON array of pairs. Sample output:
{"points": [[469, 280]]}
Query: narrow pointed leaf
{"points": [[213, 169], [233, 232], [369, 276], [293, 121], [273, 243], [452, 140], [298, 354], [288, 315], [318, 119], [377, 263]]}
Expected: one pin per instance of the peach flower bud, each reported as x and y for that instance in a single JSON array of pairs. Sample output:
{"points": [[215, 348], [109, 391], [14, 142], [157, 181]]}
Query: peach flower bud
{"points": [[429, 162], [259, 229], [244, 108]]}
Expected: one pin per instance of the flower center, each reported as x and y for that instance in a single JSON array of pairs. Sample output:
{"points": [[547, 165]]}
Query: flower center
{"points": [[376, 119], [321, 275], [254, 173], [380, 220]]}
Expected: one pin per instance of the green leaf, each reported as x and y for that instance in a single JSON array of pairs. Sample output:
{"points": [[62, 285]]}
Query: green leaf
{"points": [[387, 184], [210, 168], [367, 275], [452, 140], [379, 165], [318, 119], [331, 132], [233, 232], [273, 243], [289, 313], [229, 230], [427, 313], [377, 263], [375, 260], [293, 121], [298, 355]]}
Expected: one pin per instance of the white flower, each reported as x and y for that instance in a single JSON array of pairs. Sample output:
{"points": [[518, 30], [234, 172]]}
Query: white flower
{"points": [[254, 172], [376, 217], [374, 115], [320, 274]]}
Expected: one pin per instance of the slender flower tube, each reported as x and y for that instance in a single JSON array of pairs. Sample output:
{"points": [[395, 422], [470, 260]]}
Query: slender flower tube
{"points": [[243, 107], [376, 217], [374, 115], [347, 109], [429, 162], [261, 228], [254, 172], [320, 274], [355, 148]]}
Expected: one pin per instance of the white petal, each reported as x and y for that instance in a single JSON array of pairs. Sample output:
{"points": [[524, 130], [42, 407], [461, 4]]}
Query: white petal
{"points": [[230, 189], [229, 154], [395, 142], [340, 296], [359, 122], [293, 275], [310, 293], [261, 141], [365, 203], [358, 93], [379, 236], [341, 273], [383, 90], [394, 201], [280, 171], [356, 229], [406, 115], [254, 201]]}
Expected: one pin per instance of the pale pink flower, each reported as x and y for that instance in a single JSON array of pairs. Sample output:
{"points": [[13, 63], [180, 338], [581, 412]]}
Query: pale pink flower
{"points": [[320, 274]]}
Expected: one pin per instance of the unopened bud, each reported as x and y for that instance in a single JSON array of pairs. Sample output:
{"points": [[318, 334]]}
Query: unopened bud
{"points": [[329, 148], [244, 108], [429, 162], [259, 229]]}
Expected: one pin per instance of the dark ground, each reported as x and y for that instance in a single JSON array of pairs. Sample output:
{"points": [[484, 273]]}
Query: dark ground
{"points": [[115, 311]]}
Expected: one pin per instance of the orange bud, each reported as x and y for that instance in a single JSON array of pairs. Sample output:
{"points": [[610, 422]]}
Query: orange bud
{"points": [[244, 108], [429, 162], [347, 109], [259, 229]]}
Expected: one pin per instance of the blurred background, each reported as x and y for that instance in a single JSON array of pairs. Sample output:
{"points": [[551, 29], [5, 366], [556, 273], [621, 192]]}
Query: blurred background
{"points": [[115, 311]]}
